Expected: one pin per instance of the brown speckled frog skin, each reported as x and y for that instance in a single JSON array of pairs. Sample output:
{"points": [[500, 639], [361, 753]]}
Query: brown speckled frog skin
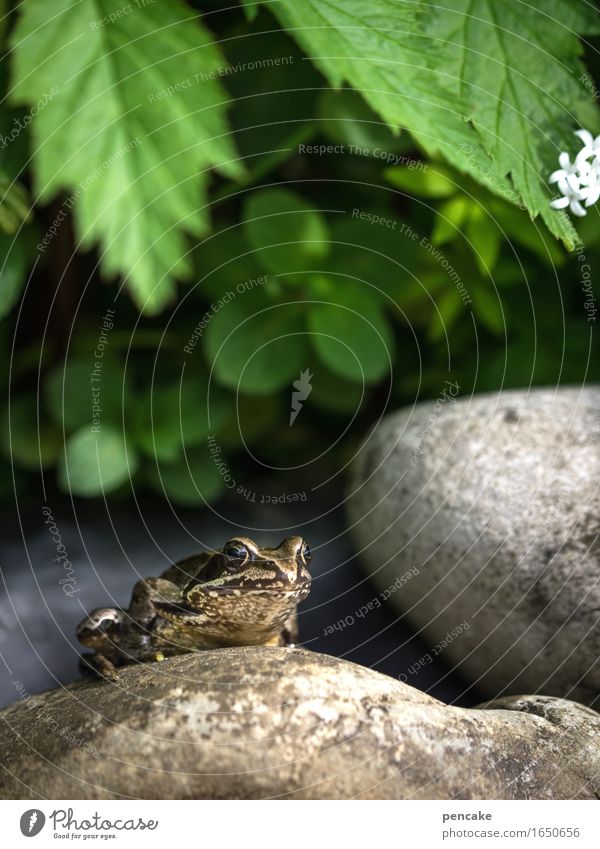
{"points": [[243, 595]]}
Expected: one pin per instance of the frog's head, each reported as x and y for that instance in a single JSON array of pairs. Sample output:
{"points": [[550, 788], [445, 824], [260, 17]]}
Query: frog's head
{"points": [[244, 593], [243, 565]]}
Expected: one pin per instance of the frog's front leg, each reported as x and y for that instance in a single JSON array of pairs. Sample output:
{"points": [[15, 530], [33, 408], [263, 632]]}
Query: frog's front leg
{"points": [[98, 665], [289, 633]]}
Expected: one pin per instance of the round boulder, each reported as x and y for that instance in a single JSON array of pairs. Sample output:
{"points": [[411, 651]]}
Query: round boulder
{"points": [[479, 519], [250, 723]]}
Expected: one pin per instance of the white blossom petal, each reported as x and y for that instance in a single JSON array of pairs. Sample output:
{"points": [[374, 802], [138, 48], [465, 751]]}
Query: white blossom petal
{"points": [[584, 154], [586, 137], [560, 203], [576, 208], [564, 160]]}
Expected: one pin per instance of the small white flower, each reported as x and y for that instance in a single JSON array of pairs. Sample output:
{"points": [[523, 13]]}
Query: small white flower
{"points": [[578, 181], [590, 185], [591, 145], [569, 174], [572, 199]]}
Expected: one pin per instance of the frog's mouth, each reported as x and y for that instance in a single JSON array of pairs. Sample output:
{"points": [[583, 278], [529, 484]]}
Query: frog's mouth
{"points": [[213, 590], [209, 595]]}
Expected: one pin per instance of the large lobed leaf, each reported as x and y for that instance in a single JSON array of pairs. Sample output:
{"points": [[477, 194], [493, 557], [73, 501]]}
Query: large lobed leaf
{"points": [[134, 153], [517, 66], [493, 87]]}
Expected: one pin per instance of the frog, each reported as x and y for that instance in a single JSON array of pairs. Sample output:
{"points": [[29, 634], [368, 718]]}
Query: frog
{"points": [[240, 595]]}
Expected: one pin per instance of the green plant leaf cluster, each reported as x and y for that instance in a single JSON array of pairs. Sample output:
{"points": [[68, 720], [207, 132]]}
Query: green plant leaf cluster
{"points": [[360, 192]]}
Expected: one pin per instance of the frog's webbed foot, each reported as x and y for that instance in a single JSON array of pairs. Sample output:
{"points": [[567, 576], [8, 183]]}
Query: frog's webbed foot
{"points": [[98, 666]]}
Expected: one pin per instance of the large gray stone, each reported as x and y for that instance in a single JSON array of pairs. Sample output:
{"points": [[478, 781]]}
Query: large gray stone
{"points": [[493, 502], [270, 722]]}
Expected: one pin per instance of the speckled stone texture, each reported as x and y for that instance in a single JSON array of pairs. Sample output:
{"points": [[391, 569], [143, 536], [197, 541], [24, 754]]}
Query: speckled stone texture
{"points": [[270, 722], [495, 500]]}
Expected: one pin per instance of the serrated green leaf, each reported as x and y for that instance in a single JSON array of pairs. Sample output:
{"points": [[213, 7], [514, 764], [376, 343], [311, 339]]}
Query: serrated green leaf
{"points": [[380, 49], [517, 225], [285, 231], [493, 88], [96, 463], [131, 130], [517, 66]]}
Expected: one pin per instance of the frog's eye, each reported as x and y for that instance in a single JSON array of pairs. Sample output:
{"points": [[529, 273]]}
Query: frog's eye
{"points": [[106, 625], [236, 550], [306, 553]]}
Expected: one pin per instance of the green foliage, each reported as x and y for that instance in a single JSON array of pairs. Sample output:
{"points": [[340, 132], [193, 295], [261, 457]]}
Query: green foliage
{"points": [[95, 463], [524, 91], [285, 233], [361, 194], [192, 480], [422, 67], [15, 253], [350, 332], [133, 153], [27, 440]]}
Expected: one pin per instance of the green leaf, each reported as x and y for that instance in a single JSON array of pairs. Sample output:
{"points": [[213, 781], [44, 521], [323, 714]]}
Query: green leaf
{"points": [[73, 391], [433, 181], [517, 66], [381, 50], [194, 479], [15, 259], [250, 9], [96, 463], [331, 392], [14, 204], [450, 217], [27, 443], [285, 231], [351, 334], [168, 418], [255, 347], [131, 131], [530, 234], [449, 308], [488, 308], [484, 238]]}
